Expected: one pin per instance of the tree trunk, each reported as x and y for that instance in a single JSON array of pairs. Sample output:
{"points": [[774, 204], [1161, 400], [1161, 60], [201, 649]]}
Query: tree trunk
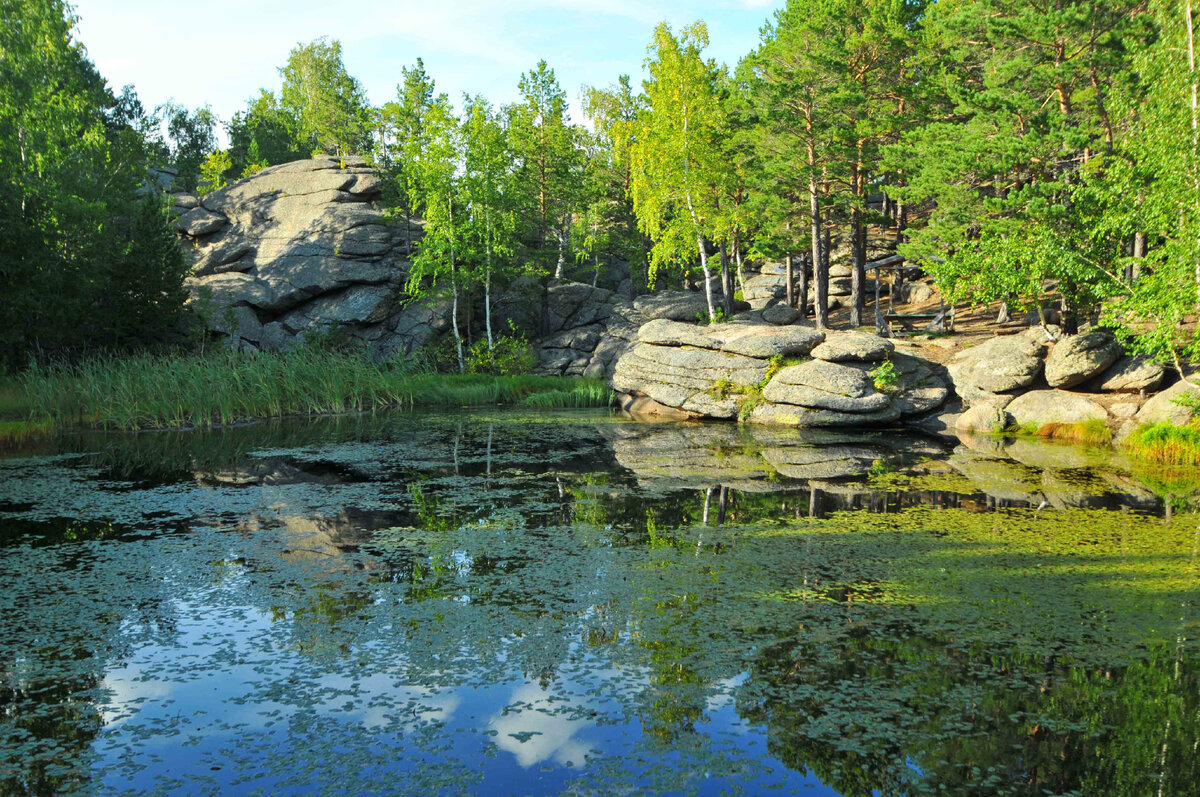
{"points": [[802, 287], [820, 264], [726, 283], [741, 274], [858, 273], [1134, 270], [562, 253], [708, 296], [858, 246], [1195, 165], [487, 283], [462, 367], [787, 276]]}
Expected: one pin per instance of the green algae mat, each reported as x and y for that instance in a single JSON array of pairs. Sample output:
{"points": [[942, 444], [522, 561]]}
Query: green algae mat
{"points": [[514, 603]]}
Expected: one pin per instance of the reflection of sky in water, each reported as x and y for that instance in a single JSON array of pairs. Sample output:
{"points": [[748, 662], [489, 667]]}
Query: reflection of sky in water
{"points": [[222, 707], [451, 608]]}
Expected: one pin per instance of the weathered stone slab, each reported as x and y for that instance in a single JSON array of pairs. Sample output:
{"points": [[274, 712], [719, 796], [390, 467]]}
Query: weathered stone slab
{"points": [[860, 347]]}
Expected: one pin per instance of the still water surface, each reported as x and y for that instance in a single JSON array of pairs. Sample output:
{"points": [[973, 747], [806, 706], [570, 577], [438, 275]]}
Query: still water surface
{"points": [[505, 603]]}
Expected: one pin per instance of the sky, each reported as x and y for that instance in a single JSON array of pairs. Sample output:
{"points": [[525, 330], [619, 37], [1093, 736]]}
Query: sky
{"points": [[221, 52]]}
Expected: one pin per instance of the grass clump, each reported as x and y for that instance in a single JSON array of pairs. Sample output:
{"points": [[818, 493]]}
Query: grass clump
{"points": [[1166, 444], [1089, 433], [224, 388]]}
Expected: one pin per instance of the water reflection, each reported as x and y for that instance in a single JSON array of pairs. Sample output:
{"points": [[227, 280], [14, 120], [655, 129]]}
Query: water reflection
{"points": [[461, 603]]}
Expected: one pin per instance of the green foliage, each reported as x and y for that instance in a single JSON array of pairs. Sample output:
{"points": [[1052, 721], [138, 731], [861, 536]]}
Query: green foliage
{"points": [[192, 138], [327, 103], [509, 356], [214, 170], [885, 378], [547, 166], [1166, 444], [716, 317], [679, 169], [225, 387], [87, 259], [264, 134]]}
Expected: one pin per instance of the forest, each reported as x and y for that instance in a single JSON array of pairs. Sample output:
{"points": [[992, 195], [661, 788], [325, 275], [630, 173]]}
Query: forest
{"points": [[1026, 153]]}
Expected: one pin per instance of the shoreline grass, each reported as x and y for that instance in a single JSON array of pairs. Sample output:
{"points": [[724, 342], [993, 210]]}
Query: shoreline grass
{"points": [[224, 388], [1165, 444]]}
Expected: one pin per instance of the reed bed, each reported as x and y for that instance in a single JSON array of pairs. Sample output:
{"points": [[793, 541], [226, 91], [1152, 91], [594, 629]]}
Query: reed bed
{"points": [[184, 391]]}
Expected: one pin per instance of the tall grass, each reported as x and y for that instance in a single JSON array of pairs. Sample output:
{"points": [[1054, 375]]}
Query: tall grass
{"points": [[223, 388], [1090, 433], [1166, 444]]}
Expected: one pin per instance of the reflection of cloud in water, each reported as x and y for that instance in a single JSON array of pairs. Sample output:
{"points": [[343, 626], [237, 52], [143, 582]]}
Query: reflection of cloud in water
{"points": [[537, 731], [722, 695], [128, 688], [379, 701]]}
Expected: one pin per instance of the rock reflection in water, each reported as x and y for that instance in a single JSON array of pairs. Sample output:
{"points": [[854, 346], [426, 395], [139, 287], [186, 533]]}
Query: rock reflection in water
{"points": [[570, 600]]}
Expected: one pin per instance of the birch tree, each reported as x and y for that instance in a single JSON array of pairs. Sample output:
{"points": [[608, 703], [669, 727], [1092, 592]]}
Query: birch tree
{"points": [[486, 190], [677, 163], [437, 260]]}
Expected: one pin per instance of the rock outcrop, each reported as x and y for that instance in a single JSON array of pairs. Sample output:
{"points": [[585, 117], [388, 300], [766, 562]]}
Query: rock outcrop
{"points": [[1040, 407], [588, 329], [734, 371], [300, 249], [1131, 374]]}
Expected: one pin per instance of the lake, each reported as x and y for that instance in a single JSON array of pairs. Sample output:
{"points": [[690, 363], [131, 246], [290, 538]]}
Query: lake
{"points": [[514, 603]]}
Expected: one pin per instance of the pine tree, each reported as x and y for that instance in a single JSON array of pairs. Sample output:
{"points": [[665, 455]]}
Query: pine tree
{"points": [[547, 164]]}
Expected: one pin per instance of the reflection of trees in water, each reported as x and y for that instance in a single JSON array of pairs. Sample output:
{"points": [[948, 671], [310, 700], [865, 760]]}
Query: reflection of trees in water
{"points": [[67, 617], [890, 714], [498, 553]]}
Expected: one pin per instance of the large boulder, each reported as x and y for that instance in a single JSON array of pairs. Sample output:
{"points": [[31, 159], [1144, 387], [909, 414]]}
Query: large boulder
{"points": [[695, 380], [792, 415], [780, 314], [198, 222], [751, 341], [983, 417], [1131, 374], [818, 384], [1077, 358], [861, 347], [1170, 406], [302, 246], [680, 305], [1040, 407], [998, 365]]}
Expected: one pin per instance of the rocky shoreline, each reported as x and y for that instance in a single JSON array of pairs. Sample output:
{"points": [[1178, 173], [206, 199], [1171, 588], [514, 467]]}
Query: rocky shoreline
{"points": [[304, 249]]}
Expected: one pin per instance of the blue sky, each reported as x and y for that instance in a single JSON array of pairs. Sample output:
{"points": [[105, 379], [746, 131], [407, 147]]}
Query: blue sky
{"points": [[220, 52]]}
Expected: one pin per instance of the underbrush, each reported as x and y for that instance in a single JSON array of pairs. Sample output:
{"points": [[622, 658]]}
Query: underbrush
{"points": [[217, 389], [1166, 444]]}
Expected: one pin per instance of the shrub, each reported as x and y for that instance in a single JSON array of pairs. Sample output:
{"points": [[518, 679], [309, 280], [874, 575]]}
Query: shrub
{"points": [[885, 377], [508, 357]]}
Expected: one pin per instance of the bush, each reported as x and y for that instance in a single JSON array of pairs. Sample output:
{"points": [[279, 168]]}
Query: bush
{"points": [[508, 357]]}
